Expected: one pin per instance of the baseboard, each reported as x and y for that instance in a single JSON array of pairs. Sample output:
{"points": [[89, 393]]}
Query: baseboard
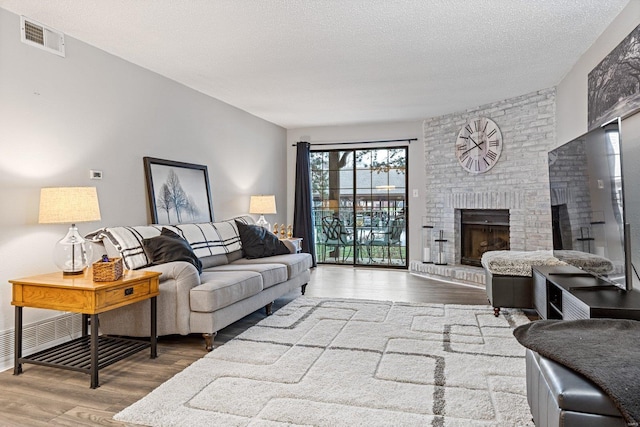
{"points": [[452, 273], [39, 335]]}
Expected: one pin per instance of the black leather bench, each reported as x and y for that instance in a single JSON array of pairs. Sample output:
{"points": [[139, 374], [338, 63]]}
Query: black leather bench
{"points": [[560, 397], [508, 291], [509, 281]]}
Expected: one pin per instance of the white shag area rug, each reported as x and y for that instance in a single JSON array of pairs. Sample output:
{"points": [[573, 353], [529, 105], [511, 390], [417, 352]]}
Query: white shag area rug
{"points": [[330, 362]]}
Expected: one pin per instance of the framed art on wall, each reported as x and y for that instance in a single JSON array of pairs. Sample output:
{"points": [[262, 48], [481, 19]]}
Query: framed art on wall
{"points": [[614, 86], [178, 192]]}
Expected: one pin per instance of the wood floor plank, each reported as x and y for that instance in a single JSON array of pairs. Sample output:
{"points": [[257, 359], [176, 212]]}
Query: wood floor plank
{"points": [[82, 416], [44, 396]]}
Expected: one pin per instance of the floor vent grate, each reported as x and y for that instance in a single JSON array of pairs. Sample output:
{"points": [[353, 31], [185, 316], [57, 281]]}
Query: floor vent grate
{"points": [[41, 334]]}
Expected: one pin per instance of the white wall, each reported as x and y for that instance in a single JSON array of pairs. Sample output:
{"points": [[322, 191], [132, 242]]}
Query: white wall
{"points": [[60, 117], [571, 95], [369, 132]]}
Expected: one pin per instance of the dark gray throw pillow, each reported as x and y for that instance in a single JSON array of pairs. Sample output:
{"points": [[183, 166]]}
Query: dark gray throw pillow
{"points": [[168, 247], [258, 242]]}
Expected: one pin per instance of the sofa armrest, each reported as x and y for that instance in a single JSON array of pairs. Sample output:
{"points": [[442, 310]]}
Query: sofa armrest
{"points": [[291, 246], [178, 270], [176, 281]]}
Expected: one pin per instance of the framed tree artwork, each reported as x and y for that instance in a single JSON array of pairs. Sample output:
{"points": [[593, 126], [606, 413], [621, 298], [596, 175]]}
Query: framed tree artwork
{"points": [[178, 192], [614, 84]]}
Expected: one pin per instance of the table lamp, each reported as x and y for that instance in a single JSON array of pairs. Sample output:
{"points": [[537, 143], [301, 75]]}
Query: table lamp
{"points": [[59, 205], [263, 205]]}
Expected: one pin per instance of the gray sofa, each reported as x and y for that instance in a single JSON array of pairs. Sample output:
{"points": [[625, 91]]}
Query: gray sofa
{"points": [[229, 287]]}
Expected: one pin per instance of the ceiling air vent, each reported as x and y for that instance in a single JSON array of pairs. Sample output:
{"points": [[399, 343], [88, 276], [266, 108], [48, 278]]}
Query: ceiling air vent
{"points": [[35, 34]]}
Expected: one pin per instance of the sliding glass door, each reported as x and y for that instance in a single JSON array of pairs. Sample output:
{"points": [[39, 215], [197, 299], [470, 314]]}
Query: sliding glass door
{"points": [[360, 206]]}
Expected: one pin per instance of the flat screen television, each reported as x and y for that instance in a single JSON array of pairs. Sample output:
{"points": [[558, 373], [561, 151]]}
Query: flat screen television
{"points": [[589, 223]]}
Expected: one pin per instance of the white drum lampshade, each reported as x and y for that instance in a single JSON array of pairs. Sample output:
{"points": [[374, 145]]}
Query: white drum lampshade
{"points": [[70, 205], [263, 205]]}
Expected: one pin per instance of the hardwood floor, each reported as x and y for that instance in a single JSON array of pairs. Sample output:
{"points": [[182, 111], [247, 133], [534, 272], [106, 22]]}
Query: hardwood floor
{"points": [[388, 284], [47, 396]]}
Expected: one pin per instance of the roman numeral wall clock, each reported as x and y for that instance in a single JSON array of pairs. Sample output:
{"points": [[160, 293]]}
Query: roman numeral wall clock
{"points": [[479, 145]]}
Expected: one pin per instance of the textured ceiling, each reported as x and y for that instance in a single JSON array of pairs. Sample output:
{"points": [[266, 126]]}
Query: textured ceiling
{"points": [[300, 63]]}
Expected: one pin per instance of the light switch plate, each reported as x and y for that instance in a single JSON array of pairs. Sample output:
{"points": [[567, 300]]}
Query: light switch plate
{"points": [[94, 174]]}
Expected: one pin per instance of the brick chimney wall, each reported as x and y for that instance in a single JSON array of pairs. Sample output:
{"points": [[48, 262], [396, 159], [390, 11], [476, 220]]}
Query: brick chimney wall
{"points": [[519, 181]]}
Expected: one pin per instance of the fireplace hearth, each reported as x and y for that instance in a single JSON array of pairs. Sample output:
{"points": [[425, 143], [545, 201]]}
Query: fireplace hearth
{"points": [[482, 230]]}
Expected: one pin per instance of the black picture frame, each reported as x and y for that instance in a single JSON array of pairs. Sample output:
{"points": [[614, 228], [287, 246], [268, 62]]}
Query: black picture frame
{"points": [[613, 86], [178, 192]]}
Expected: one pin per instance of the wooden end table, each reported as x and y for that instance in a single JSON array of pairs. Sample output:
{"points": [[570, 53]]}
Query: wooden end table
{"points": [[80, 294]]}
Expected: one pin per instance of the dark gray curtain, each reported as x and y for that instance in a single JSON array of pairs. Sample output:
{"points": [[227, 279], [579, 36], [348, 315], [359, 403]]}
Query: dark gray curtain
{"points": [[302, 211]]}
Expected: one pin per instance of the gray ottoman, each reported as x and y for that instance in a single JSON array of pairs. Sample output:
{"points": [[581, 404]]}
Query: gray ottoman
{"points": [[559, 396], [509, 281], [508, 291]]}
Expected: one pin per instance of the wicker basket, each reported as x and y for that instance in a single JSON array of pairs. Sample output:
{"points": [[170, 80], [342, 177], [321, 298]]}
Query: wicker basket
{"points": [[109, 271]]}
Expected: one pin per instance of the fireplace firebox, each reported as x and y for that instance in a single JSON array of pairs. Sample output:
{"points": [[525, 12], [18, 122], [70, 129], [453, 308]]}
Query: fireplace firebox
{"points": [[482, 230]]}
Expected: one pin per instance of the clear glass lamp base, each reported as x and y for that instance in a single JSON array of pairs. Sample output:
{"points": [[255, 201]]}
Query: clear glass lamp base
{"points": [[262, 222], [71, 254]]}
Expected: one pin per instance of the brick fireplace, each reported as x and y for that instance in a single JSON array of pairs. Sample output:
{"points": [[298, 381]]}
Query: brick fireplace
{"points": [[517, 185]]}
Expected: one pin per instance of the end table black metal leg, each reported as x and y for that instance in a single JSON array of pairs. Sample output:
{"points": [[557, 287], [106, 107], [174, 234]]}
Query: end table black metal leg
{"points": [[17, 366], [85, 325], [154, 328], [94, 351]]}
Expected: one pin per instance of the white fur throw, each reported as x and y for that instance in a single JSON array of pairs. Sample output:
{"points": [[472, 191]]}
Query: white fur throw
{"points": [[586, 261], [517, 263]]}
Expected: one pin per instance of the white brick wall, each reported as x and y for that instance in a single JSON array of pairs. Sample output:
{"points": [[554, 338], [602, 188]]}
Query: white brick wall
{"points": [[518, 182]]}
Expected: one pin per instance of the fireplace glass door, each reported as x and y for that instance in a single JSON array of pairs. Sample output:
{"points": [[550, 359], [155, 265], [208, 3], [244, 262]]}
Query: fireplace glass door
{"points": [[483, 230]]}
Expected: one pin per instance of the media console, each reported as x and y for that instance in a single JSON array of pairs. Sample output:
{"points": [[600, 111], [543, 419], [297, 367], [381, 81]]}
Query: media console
{"points": [[568, 293]]}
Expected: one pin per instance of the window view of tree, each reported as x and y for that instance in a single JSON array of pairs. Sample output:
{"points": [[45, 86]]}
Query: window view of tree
{"points": [[359, 205]]}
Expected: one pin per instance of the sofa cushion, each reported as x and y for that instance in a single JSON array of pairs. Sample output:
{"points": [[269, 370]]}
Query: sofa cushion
{"points": [[209, 238], [272, 274], [296, 263], [258, 242], [219, 289], [169, 247], [234, 256], [213, 260]]}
